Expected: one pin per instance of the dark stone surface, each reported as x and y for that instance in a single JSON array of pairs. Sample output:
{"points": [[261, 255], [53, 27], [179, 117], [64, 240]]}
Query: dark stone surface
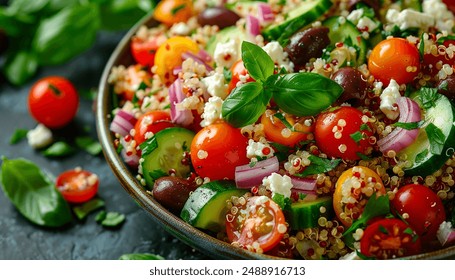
{"points": [[19, 238]]}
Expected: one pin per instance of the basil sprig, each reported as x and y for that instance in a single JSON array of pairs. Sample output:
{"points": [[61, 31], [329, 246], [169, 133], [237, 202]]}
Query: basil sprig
{"points": [[299, 94]]}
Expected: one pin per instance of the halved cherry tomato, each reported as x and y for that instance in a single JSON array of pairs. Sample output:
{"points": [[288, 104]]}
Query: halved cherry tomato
{"points": [[217, 149], [259, 224], [394, 58], [238, 70], [169, 55], [77, 186], [342, 133], [173, 11], [53, 101], [421, 208], [276, 131], [144, 51], [135, 76], [151, 122], [353, 188], [389, 238]]}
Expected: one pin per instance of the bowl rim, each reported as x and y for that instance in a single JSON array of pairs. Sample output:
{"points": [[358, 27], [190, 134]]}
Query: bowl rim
{"points": [[188, 234]]}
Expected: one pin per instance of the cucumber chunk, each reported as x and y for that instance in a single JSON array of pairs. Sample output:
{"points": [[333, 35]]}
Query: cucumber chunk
{"points": [[306, 13], [167, 151], [305, 214], [225, 35], [342, 30], [206, 206], [423, 161]]}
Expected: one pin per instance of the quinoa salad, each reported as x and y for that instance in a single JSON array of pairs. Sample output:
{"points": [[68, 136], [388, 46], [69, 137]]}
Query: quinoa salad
{"points": [[318, 129]]}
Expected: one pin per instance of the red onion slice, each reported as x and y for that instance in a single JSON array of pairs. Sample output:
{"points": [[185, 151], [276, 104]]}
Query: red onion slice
{"points": [[131, 159], [176, 95], [265, 13], [247, 176], [400, 138], [252, 26], [122, 123], [197, 59], [303, 184]]}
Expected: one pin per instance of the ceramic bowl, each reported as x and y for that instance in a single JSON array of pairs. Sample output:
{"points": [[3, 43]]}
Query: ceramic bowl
{"points": [[173, 224]]}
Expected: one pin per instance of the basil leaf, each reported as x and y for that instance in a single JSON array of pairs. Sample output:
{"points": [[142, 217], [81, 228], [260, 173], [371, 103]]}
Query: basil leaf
{"points": [[303, 94], [319, 165], [258, 63], [245, 104], [428, 97], [89, 145], [110, 219], [356, 136], [27, 6], [376, 206], [445, 38], [66, 34], [282, 201], [34, 194], [130, 257], [436, 138], [17, 136], [422, 47], [20, 67], [59, 149], [88, 207], [122, 14]]}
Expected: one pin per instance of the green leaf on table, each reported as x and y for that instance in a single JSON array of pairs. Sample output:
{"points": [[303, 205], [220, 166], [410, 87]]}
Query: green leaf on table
{"points": [[302, 94], [245, 104], [67, 33], [20, 67], [34, 194], [81, 211], [110, 219], [18, 135], [89, 145], [258, 63], [144, 256], [59, 149]]}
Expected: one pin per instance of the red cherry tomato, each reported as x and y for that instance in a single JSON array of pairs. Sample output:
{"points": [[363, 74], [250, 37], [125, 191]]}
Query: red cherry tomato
{"points": [[273, 129], [143, 51], [421, 208], [173, 11], [151, 122], [389, 238], [53, 101], [394, 58], [450, 4], [260, 222], [77, 186], [217, 149], [135, 75], [237, 70], [341, 133]]}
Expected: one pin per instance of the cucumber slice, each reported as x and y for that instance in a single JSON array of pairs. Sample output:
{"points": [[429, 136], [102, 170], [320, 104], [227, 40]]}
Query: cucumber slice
{"points": [[167, 149], [305, 214], [306, 13], [225, 35], [412, 4], [342, 30], [424, 162], [206, 206]]}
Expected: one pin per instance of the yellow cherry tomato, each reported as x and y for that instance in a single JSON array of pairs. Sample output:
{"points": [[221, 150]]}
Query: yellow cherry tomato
{"points": [[169, 56], [353, 189], [173, 11]]}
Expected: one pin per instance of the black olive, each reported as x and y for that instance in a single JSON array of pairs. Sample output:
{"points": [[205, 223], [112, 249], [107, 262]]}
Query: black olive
{"points": [[220, 16], [354, 85]]}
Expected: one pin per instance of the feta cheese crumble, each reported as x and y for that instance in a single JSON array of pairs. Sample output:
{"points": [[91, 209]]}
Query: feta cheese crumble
{"points": [[278, 55], [408, 18], [226, 54], [278, 184], [212, 111], [216, 85], [389, 97], [259, 149], [39, 137]]}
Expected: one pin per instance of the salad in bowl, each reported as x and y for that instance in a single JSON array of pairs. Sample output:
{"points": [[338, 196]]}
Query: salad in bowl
{"points": [[318, 129]]}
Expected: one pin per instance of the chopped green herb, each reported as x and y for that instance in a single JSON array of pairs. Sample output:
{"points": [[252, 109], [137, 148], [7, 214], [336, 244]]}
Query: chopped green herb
{"points": [[119, 148], [409, 125], [284, 121], [364, 126], [227, 73], [428, 97], [408, 231], [421, 156], [157, 173], [363, 257], [356, 136], [110, 219], [59, 149], [444, 85], [383, 229], [445, 38], [281, 151], [89, 145], [142, 86], [18, 135], [363, 157], [436, 138], [175, 10], [422, 47], [281, 200], [81, 211], [148, 146], [101, 216], [319, 165], [168, 106]]}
